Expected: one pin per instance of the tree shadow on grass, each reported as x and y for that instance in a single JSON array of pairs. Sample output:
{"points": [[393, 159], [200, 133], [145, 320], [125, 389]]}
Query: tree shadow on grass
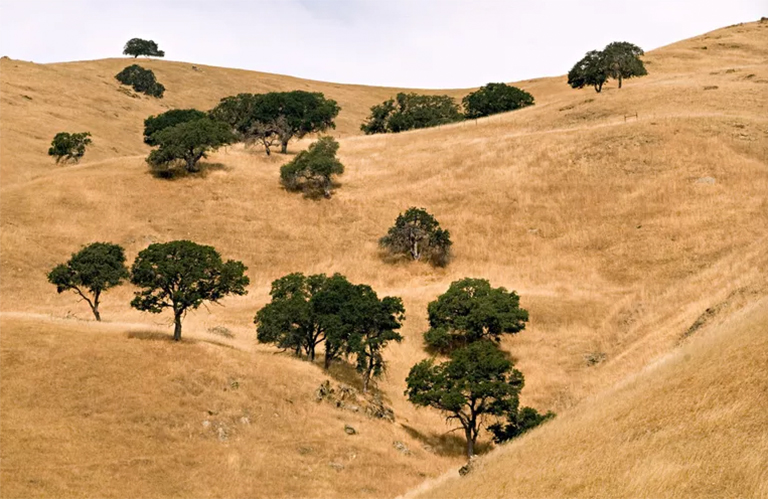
{"points": [[178, 171], [168, 337], [446, 444]]}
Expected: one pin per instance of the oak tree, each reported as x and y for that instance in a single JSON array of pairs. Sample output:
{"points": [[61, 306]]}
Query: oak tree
{"points": [[69, 146], [495, 98], [138, 46], [312, 171], [180, 276], [187, 143], [477, 383], [417, 234], [471, 310], [91, 271]]}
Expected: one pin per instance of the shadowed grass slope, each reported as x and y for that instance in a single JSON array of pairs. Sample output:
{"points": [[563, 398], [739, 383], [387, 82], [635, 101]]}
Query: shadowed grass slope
{"points": [[692, 424]]}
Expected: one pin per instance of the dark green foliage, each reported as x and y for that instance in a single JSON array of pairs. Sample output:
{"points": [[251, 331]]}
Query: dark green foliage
{"points": [[69, 146], [417, 234], [142, 80], [310, 171], [375, 322], [495, 98], [471, 310], [187, 143], [290, 321], [478, 382], [350, 319], [591, 70], [623, 60], [92, 270], [181, 275], [277, 116], [618, 60], [154, 124], [137, 47], [518, 422], [411, 111]]}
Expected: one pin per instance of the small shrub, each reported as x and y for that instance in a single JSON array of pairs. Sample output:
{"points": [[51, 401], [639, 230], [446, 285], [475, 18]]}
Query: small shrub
{"points": [[311, 171], [142, 80], [518, 422], [69, 146]]}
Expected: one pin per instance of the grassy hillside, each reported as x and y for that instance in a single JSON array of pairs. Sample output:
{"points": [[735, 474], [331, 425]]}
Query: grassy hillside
{"points": [[690, 425], [599, 209]]}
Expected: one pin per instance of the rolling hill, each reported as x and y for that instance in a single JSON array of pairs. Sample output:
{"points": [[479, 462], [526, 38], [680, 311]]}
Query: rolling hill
{"points": [[630, 222]]}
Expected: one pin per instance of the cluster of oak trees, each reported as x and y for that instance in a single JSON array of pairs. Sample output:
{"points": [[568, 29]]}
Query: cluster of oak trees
{"points": [[349, 320], [413, 111], [618, 60], [475, 385]]}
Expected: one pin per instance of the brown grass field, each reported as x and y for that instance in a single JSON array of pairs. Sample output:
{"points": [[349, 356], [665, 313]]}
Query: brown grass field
{"points": [[589, 205]]}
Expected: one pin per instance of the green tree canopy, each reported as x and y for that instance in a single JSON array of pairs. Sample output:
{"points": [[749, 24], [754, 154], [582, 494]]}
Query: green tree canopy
{"points": [[290, 321], [411, 111], [181, 275], [312, 171], [622, 60], [142, 80], [495, 98], [349, 319], [91, 271], [417, 234], [591, 70], [617, 60], [478, 382], [277, 116], [154, 124], [367, 323], [471, 310], [518, 421], [137, 47], [187, 143], [69, 146]]}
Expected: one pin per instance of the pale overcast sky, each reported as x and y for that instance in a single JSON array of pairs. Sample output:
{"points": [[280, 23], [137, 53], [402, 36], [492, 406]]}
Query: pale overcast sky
{"points": [[405, 43]]}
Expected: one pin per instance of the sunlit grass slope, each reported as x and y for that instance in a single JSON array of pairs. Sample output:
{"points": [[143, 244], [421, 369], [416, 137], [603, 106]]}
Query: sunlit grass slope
{"points": [[110, 411], [619, 217], [690, 425]]}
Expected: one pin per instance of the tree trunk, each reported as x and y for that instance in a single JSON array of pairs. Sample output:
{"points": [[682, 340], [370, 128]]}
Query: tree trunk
{"points": [[619, 81], [284, 147], [95, 308], [470, 442], [366, 380], [177, 327], [327, 361]]}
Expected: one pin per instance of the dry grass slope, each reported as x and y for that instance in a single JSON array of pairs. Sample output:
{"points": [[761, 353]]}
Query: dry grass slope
{"points": [[690, 425], [598, 221]]}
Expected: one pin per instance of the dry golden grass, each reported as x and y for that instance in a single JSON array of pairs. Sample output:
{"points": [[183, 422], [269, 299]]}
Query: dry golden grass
{"points": [[596, 220], [692, 424], [111, 411]]}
